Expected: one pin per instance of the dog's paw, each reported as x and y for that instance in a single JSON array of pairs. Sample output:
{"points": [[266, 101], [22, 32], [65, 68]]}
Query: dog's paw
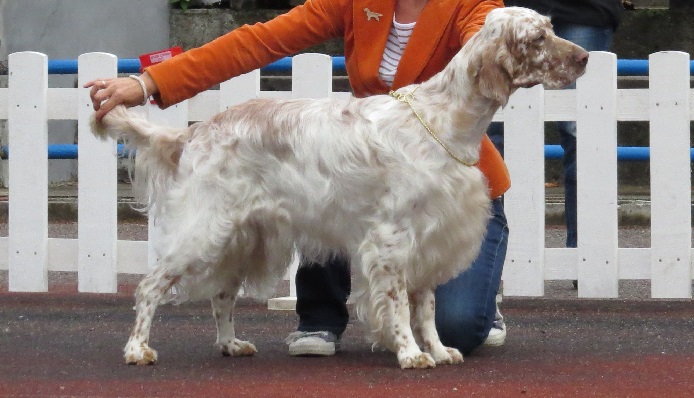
{"points": [[451, 356], [140, 354], [421, 360], [238, 348]]}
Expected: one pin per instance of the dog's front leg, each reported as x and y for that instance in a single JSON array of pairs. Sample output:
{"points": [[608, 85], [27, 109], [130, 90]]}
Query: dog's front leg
{"points": [[223, 312], [409, 353], [424, 327], [384, 256]]}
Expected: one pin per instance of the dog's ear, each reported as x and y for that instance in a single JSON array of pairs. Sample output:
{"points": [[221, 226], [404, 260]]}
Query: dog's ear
{"points": [[492, 75]]}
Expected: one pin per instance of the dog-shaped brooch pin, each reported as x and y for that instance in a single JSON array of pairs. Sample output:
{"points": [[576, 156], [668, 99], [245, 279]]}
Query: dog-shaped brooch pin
{"points": [[370, 14]]}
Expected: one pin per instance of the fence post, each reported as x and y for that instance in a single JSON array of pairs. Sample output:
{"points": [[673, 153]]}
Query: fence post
{"points": [[239, 89], [97, 196], [671, 198], [596, 147], [312, 76], [28, 172], [525, 201]]}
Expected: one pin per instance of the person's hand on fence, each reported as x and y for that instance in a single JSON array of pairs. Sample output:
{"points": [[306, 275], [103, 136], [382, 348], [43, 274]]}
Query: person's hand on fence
{"points": [[130, 91]]}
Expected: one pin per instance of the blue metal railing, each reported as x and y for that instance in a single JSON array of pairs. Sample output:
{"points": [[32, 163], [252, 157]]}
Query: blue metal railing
{"points": [[624, 153], [126, 65], [625, 67], [63, 151]]}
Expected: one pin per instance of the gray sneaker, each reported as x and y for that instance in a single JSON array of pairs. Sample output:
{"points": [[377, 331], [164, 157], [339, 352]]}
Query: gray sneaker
{"points": [[312, 344], [497, 334]]}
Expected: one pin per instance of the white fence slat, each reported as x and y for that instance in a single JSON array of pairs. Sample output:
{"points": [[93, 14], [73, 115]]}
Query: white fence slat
{"points": [[203, 106], [239, 90], [562, 264], [525, 201], [173, 116], [596, 120], [63, 102], [97, 187], [635, 263], [632, 104], [671, 198], [62, 254], [131, 256], [560, 105], [28, 172], [312, 76]]}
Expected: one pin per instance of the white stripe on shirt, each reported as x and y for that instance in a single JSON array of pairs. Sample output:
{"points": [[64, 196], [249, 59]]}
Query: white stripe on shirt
{"points": [[398, 37]]}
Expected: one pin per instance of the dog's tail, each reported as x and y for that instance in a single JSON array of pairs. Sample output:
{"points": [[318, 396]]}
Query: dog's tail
{"points": [[138, 133], [158, 148]]}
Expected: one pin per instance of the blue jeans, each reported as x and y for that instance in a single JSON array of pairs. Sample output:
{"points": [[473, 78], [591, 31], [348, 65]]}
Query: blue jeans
{"points": [[321, 295], [465, 306], [591, 38]]}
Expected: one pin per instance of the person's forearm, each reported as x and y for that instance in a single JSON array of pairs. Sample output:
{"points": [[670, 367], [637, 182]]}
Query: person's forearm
{"points": [[245, 49]]}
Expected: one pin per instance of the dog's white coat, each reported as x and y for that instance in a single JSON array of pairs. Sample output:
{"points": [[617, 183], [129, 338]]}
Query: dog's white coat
{"points": [[362, 177]]}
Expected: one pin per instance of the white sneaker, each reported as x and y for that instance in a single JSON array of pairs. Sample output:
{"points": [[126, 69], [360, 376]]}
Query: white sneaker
{"points": [[312, 344], [497, 334]]}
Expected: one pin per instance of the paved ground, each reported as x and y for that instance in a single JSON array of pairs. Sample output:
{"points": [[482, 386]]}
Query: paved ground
{"points": [[68, 344], [64, 344]]}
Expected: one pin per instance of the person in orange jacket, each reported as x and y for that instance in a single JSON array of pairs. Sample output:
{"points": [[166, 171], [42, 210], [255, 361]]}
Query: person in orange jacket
{"points": [[388, 45]]}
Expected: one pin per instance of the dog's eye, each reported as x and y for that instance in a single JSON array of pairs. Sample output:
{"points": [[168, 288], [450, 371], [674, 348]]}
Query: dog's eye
{"points": [[539, 39]]}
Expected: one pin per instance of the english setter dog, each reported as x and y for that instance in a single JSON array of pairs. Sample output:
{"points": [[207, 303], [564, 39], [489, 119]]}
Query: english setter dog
{"points": [[387, 180]]}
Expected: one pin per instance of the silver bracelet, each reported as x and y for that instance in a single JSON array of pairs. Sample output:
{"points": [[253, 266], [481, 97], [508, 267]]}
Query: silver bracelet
{"points": [[144, 88]]}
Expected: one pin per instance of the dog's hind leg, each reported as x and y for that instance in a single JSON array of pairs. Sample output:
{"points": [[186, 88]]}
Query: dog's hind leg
{"points": [[147, 297], [223, 312], [424, 326], [190, 248]]}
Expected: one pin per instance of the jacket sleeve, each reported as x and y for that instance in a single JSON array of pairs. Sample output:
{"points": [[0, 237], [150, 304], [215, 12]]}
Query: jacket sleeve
{"points": [[247, 48], [471, 22]]}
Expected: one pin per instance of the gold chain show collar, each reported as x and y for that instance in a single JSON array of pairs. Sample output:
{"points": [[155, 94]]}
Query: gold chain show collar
{"points": [[407, 98]]}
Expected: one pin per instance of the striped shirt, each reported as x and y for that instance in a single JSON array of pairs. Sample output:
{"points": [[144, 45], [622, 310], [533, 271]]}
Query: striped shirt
{"points": [[397, 40]]}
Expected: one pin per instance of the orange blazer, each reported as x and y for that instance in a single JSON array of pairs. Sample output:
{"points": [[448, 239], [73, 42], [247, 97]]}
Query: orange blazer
{"points": [[441, 30]]}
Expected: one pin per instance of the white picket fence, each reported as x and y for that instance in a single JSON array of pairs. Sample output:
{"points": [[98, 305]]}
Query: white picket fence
{"points": [[596, 105]]}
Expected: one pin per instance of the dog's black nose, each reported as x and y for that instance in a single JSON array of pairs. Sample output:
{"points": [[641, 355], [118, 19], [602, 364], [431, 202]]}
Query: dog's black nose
{"points": [[581, 57]]}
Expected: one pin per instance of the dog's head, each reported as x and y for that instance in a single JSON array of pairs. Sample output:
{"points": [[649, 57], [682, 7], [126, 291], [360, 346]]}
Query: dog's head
{"points": [[520, 49]]}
